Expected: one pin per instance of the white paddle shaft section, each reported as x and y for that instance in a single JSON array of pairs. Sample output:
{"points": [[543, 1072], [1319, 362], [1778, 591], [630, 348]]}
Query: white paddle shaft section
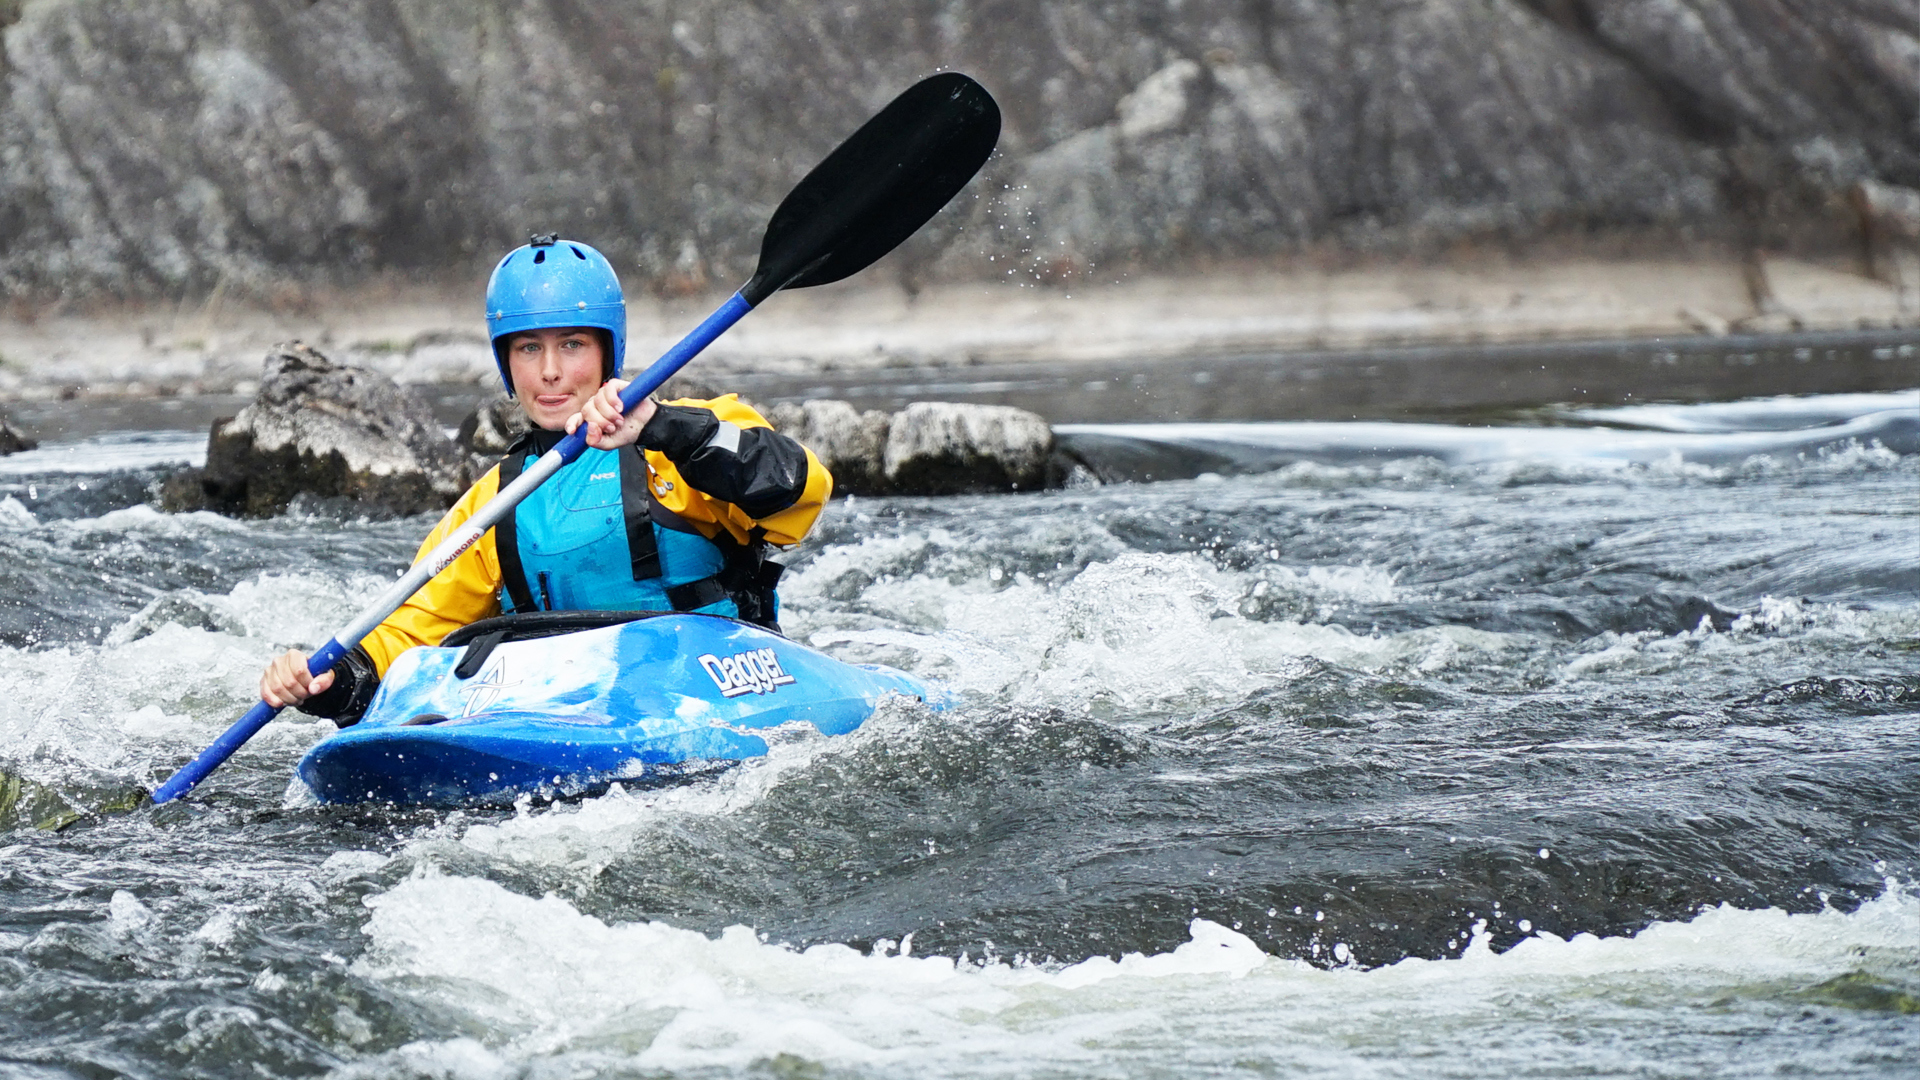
{"points": [[451, 548]]}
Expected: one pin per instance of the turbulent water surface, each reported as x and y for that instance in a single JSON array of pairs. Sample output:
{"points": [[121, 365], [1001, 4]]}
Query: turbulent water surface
{"points": [[1587, 749]]}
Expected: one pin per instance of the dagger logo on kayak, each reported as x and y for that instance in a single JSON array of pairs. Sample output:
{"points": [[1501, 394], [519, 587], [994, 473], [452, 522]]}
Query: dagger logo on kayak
{"points": [[756, 671], [490, 687]]}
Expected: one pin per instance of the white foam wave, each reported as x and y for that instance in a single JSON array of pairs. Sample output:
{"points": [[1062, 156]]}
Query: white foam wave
{"points": [[1786, 636], [107, 453], [582, 839], [1137, 630], [146, 520], [15, 516], [565, 992], [165, 681], [1783, 413]]}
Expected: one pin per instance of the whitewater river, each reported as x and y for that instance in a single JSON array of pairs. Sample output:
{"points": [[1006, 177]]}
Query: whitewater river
{"points": [[1588, 748]]}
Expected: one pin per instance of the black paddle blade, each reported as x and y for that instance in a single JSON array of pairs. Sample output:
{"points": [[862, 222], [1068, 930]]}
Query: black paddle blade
{"points": [[879, 186]]}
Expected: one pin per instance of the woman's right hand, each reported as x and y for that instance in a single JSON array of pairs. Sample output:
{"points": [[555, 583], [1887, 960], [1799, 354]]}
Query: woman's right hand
{"points": [[609, 427], [286, 682]]}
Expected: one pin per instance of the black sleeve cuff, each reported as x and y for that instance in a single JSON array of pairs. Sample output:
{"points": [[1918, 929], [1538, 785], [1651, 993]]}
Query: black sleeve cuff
{"points": [[678, 431], [354, 683]]}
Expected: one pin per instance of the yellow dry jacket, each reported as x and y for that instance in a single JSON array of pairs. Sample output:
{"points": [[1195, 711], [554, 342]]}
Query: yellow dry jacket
{"points": [[468, 590]]}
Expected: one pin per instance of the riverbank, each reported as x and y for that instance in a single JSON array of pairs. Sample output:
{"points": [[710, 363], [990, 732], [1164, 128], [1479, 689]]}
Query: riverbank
{"points": [[1274, 318]]}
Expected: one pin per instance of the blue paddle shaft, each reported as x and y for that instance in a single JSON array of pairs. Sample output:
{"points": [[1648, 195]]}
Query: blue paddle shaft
{"points": [[194, 771], [449, 549]]}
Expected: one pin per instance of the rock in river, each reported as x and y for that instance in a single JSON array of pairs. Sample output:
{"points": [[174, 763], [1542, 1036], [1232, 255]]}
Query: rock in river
{"points": [[928, 448], [11, 441], [492, 428], [948, 448], [324, 429]]}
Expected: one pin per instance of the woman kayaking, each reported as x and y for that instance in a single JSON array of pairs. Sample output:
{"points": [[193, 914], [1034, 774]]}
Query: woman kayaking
{"points": [[675, 519], [670, 508]]}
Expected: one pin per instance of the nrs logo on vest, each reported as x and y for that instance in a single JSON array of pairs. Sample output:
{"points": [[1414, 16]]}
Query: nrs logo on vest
{"points": [[756, 671]]}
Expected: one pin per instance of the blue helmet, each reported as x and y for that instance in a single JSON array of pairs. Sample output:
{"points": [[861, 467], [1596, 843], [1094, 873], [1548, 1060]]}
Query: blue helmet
{"points": [[551, 284]]}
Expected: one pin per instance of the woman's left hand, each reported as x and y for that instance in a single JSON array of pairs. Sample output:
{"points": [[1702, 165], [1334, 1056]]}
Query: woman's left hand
{"points": [[607, 425]]}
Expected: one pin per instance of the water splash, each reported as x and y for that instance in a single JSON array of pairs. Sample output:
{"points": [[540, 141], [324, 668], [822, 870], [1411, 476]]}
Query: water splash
{"points": [[571, 992]]}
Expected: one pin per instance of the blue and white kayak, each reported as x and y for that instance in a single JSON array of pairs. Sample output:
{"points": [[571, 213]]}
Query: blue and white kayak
{"points": [[563, 703]]}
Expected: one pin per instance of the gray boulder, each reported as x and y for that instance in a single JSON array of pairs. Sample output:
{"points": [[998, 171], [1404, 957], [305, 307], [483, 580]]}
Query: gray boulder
{"points": [[11, 440], [328, 430], [945, 448], [683, 385], [928, 448], [493, 427]]}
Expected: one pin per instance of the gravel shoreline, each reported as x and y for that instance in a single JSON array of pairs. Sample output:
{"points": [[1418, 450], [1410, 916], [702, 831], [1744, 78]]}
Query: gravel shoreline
{"points": [[210, 346]]}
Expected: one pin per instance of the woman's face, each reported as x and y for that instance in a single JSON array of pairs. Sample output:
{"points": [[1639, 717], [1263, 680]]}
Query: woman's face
{"points": [[554, 372]]}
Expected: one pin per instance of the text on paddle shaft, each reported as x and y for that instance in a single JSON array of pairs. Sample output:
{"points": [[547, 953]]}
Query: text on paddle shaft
{"points": [[472, 535], [756, 671]]}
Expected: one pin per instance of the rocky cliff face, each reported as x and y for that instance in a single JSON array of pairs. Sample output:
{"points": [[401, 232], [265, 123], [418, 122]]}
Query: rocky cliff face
{"points": [[173, 144]]}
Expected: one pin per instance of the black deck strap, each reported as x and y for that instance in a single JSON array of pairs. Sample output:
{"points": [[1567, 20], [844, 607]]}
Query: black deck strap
{"points": [[752, 555], [477, 653], [539, 624], [765, 576], [636, 501], [698, 594], [748, 576], [667, 519], [766, 572], [506, 539]]}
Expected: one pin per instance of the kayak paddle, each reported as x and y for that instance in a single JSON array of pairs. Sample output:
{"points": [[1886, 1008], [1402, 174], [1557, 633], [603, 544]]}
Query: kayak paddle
{"points": [[873, 191]]}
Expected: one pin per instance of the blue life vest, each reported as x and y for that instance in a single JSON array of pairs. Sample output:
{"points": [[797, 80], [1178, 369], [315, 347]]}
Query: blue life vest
{"points": [[593, 538]]}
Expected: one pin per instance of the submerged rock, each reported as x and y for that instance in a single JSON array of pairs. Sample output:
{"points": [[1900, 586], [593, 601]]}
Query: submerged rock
{"points": [[11, 441], [328, 430], [26, 803]]}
